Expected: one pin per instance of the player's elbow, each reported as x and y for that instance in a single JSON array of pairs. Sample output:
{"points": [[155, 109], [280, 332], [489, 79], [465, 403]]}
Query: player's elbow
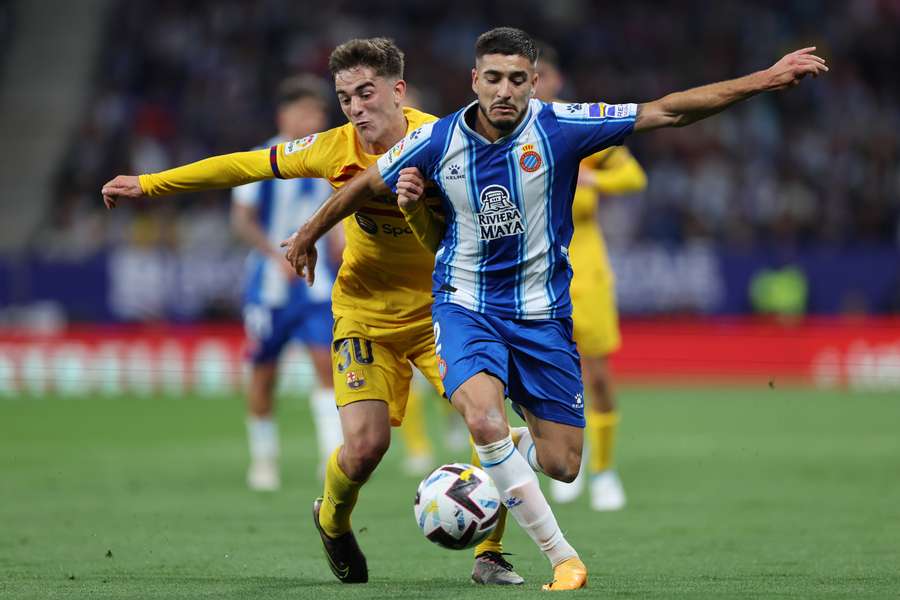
{"points": [[656, 115]]}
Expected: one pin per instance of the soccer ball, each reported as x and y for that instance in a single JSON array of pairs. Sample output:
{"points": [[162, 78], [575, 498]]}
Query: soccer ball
{"points": [[457, 506]]}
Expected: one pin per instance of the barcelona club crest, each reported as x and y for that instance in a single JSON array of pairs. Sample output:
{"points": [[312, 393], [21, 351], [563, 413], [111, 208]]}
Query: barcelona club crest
{"points": [[530, 161], [355, 381]]}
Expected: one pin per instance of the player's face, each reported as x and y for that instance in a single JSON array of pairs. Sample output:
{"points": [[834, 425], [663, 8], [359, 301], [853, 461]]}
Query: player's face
{"points": [[370, 102], [549, 82], [504, 84], [301, 118]]}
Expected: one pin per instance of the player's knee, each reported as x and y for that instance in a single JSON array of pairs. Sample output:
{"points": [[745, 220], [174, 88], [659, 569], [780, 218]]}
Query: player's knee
{"points": [[560, 467], [363, 453], [567, 474], [560, 471], [485, 426]]}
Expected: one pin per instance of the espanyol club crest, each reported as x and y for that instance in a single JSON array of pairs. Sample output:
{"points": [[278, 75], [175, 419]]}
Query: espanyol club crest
{"points": [[530, 161]]}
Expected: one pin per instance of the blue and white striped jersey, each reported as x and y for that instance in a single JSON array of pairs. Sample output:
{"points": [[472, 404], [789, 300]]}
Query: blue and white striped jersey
{"points": [[509, 203], [282, 205]]}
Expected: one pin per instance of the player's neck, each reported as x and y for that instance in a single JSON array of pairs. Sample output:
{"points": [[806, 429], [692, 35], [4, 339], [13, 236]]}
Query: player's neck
{"points": [[395, 132]]}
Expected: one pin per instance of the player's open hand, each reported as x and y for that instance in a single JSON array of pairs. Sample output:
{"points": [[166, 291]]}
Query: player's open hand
{"points": [[795, 66], [302, 254], [410, 187], [123, 186]]}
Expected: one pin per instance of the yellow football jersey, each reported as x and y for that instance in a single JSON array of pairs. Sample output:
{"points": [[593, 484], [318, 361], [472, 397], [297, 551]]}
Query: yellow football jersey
{"points": [[385, 276]]}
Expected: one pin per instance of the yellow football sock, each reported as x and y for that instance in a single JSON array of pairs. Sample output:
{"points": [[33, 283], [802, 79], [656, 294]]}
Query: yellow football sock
{"points": [[413, 431], [494, 541], [340, 498], [601, 432]]}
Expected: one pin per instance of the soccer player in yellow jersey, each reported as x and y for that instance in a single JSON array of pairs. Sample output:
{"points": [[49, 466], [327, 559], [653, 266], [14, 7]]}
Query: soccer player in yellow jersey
{"points": [[596, 320], [382, 295]]}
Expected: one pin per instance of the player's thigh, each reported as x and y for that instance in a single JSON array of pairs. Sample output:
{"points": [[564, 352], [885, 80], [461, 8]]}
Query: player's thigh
{"points": [[466, 344], [366, 369], [545, 370], [267, 331], [596, 317]]}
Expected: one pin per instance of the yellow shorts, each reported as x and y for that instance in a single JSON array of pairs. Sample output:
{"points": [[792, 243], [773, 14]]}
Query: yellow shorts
{"points": [[375, 363], [594, 313]]}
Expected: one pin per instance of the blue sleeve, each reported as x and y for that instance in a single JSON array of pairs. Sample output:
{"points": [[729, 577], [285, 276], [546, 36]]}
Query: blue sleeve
{"points": [[592, 126], [415, 150]]}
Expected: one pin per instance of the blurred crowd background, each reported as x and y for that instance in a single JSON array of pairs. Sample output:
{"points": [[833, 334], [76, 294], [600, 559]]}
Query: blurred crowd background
{"points": [[781, 181]]}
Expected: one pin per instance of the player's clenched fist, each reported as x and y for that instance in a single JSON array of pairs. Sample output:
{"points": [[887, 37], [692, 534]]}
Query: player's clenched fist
{"points": [[410, 187], [123, 186]]}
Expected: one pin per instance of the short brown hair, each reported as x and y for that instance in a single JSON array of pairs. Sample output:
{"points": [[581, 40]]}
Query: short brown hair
{"points": [[299, 87], [380, 54]]}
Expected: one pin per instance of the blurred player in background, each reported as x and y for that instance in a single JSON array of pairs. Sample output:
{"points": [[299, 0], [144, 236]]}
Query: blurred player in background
{"points": [[596, 320], [278, 306]]}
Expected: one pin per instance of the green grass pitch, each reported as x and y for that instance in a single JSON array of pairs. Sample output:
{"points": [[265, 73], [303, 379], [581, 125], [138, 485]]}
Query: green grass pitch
{"points": [[733, 493]]}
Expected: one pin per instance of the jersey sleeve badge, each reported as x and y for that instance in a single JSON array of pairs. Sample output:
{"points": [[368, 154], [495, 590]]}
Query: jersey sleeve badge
{"points": [[298, 145]]}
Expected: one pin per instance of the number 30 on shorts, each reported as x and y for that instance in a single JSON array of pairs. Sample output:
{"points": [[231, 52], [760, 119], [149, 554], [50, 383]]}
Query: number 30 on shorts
{"points": [[350, 350]]}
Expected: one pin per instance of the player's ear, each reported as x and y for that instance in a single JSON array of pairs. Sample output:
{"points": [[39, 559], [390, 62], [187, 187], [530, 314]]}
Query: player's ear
{"points": [[399, 91], [475, 80]]}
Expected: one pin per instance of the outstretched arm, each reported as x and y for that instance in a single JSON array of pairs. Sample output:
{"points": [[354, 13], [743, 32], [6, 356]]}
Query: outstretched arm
{"points": [[683, 108], [343, 203], [225, 171]]}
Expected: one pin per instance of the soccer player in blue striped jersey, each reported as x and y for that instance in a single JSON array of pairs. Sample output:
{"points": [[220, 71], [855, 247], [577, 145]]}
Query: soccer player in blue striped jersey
{"points": [[507, 166], [278, 306]]}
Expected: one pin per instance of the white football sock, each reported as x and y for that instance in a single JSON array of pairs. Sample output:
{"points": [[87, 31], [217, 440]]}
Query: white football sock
{"points": [[262, 434], [525, 446], [521, 493], [327, 420]]}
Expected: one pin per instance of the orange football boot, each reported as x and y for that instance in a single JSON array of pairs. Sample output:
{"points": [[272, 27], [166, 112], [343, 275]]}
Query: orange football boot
{"points": [[570, 574]]}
